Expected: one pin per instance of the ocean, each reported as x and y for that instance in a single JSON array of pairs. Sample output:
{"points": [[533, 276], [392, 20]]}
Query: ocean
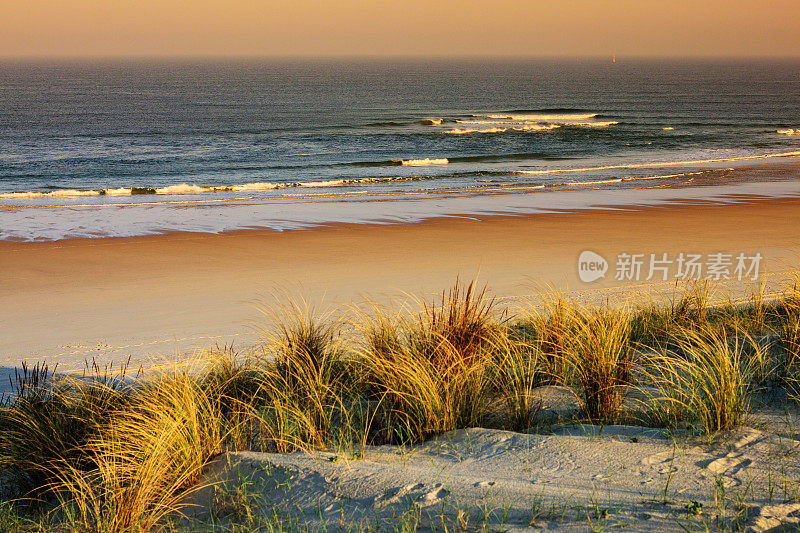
{"points": [[97, 148]]}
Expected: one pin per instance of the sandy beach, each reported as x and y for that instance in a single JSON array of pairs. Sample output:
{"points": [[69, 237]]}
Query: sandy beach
{"points": [[160, 297]]}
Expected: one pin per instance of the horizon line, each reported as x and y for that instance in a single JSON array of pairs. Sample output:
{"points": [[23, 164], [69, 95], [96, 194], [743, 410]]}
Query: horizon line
{"points": [[632, 57]]}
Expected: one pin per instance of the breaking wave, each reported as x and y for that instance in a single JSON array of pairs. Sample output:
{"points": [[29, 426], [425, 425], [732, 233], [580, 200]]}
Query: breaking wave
{"points": [[541, 117], [423, 162], [186, 188], [464, 131], [790, 131], [654, 164], [523, 127]]}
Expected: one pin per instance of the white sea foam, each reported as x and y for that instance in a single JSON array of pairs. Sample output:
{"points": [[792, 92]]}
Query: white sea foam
{"points": [[330, 183], [790, 131], [594, 182], [185, 188], [431, 121], [478, 122], [598, 124], [500, 126], [654, 164], [537, 127], [464, 131], [668, 128], [542, 117], [188, 189], [423, 162], [257, 186], [122, 191], [524, 127], [59, 193], [182, 188]]}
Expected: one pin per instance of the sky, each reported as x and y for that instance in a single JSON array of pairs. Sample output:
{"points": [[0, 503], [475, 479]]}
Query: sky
{"points": [[409, 27]]}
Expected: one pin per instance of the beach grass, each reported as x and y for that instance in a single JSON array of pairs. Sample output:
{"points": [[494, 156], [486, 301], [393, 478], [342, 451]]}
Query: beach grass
{"points": [[104, 452], [599, 360], [708, 378], [432, 370]]}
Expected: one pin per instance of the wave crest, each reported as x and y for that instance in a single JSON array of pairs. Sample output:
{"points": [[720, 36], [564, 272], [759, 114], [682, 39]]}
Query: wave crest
{"points": [[525, 127], [541, 117], [423, 162]]}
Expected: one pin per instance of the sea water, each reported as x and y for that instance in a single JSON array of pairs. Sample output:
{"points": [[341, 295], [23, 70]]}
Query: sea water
{"points": [[94, 148]]}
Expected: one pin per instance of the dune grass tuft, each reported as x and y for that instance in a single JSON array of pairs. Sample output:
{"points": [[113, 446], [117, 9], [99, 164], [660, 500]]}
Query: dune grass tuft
{"points": [[147, 457], [599, 359], [518, 372], [48, 419], [708, 378], [433, 370]]}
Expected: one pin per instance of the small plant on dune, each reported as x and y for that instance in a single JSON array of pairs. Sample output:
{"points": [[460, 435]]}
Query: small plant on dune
{"points": [[305, 378], [233, 377], [789, 302], [756, 310], [458, 327], [238, 383], [305, 346], [48, 420], [518, 373], [709, 378], [692, 308], [787, 370], [425, 399], [653, 323], [552, 326], [650, 324], [786, 317], [599, 360], [433, 370], [147, 457]]}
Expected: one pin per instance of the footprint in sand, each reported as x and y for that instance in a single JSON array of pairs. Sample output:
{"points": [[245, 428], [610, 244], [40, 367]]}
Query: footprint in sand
{"points": [[656, 458], [433, 496], [750, 438], [730, 481], [730, 464], [397, 494], [484, 484]]}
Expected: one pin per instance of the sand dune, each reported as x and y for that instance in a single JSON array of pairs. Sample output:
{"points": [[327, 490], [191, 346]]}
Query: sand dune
{"points": [[644, 479]]}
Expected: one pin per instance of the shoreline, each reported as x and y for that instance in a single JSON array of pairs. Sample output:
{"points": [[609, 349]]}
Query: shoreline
{"points": [[308, 211], [163, 296]]}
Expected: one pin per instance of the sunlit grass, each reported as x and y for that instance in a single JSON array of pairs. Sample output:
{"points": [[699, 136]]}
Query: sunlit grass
{"points": [[112, 454], [432, 371], [708, 378], [599, 360]]}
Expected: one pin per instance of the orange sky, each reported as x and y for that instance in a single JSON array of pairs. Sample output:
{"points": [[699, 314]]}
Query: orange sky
{"points": [[377, 27]]}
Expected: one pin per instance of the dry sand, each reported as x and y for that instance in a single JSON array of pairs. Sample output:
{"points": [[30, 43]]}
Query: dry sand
{"points": [[164, 295]]}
